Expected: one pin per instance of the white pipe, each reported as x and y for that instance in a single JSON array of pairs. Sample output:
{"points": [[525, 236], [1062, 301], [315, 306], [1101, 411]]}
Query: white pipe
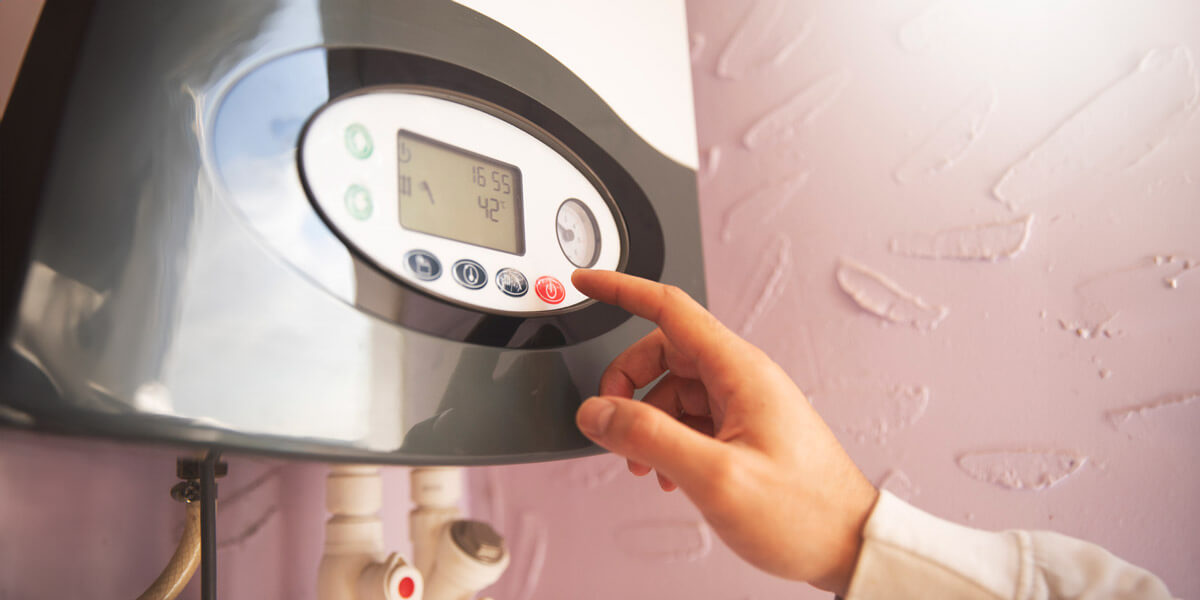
{"points": [[354, 565], [353, 533], [436, 492], [183, 563], [439, 534], [470, 557]]}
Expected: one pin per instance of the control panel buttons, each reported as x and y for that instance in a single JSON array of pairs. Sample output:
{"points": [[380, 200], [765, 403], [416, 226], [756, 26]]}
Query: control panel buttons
{"points": [[550, 290], [512, 282], [469, 274], [358, 141], [358, 202], [423, 265]]}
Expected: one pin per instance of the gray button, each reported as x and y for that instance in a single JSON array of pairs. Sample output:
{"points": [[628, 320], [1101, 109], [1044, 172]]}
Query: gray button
{"points": [[512, 282], [469, 274], [423, 264]]}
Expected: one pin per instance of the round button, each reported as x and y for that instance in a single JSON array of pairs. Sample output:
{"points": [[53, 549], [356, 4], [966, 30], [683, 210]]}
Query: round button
{"points": [[578, 234], [550, 290], [358, 141], [423, 265], [358, 202], [469, 274], [512, 282]]}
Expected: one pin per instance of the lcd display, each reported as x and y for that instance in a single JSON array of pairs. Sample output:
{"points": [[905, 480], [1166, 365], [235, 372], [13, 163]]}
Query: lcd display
{"points": [[456, 194]]}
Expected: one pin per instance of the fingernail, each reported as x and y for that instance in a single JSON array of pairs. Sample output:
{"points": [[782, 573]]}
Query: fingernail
{"points": [[595, 415]]}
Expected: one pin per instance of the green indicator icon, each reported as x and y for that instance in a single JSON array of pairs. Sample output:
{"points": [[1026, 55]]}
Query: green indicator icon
{"points": [[358, 202], [358, 141]]}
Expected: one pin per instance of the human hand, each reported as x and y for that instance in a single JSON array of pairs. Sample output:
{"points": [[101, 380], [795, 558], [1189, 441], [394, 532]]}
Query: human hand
{"points": [[731, 429]]}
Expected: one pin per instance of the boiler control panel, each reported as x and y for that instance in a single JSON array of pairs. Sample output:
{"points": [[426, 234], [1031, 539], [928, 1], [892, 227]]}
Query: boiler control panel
{"points": [[457, 201]]}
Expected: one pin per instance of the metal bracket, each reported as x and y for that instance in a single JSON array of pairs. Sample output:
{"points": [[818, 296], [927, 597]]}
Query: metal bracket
{"points": [[200, 485]]}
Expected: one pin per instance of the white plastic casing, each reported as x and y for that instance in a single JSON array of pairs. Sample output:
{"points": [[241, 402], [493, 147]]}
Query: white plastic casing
{"points": [[333, 162], [655, 98]]}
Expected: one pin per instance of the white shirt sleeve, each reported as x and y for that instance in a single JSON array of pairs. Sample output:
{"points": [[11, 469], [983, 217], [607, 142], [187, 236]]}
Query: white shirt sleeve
{"points": [[908, 553]]}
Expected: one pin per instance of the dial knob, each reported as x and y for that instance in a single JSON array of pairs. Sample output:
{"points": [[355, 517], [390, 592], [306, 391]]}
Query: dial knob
{"points": [[578, 234]]}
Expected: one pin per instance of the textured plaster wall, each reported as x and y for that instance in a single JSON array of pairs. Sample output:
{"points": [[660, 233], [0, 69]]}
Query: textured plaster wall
{"points": [[967, 229]]}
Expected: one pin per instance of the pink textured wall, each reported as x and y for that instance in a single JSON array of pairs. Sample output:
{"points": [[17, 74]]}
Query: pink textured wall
{"points": [[955, 223]]}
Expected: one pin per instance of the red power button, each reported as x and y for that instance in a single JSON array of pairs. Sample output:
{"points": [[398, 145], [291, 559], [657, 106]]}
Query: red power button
{"points": [[550, 290]]}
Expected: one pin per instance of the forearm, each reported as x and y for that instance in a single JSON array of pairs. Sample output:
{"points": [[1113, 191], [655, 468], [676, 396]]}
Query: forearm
{"points": [[908, 553]]}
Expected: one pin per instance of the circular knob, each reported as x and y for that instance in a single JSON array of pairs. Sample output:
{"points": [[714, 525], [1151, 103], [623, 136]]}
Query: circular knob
{"points": [[578, 234]]}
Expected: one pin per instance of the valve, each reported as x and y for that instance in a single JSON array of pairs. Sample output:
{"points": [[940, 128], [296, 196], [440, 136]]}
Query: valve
{"points": [[390, 579]]}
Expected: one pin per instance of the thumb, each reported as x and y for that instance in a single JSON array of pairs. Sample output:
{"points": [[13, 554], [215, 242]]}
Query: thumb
{"points": [[647, 435]]}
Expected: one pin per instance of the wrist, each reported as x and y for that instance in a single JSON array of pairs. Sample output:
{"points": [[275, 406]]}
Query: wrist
{"points": [[837, 579]]}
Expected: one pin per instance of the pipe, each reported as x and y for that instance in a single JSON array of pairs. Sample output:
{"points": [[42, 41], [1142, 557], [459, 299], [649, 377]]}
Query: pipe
{"points": [[436, 493], [353, 533], [470, 557], [183, 563], [208, 525]]}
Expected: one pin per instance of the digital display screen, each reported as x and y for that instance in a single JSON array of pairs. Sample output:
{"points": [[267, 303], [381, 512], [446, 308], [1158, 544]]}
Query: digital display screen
{"points": [[457, 194]]}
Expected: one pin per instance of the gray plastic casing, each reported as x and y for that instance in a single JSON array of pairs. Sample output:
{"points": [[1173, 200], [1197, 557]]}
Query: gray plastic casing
{"points": [[151, 310]]}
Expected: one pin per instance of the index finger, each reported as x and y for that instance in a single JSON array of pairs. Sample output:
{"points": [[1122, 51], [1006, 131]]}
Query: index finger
{"points": [[693, 330]]}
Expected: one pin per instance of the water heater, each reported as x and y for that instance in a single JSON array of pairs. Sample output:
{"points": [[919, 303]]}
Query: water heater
{"points": [[341, 230]]}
